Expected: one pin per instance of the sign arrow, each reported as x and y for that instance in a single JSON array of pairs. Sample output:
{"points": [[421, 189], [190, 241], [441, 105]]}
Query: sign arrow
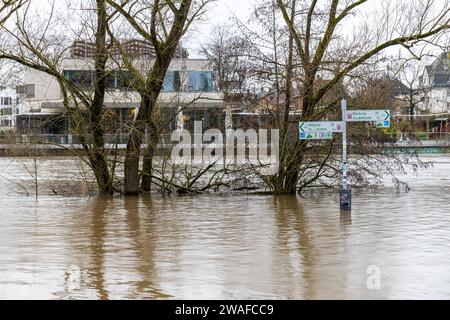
{"points": [[388, 115]]}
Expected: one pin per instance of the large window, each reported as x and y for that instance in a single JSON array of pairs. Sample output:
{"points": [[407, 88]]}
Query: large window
{"points": [[27, 90], [81, 78], [200, 81], [125, 81], [197, 81]]}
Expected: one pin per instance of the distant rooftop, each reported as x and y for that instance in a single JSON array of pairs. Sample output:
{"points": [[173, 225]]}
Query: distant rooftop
{"points": [[439, 71], [440, 65]]}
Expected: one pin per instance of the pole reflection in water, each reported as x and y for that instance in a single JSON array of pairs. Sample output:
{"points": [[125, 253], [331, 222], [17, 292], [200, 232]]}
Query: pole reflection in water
{"points": [[346, 218]]}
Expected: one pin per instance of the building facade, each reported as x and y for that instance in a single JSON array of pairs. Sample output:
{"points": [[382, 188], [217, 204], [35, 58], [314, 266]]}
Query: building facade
{"points": [[134, 48], [10, 106], [435, 83], [189, 92]]}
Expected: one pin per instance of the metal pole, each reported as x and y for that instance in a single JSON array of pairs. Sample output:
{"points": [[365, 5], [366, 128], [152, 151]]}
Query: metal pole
{"points": [[344, 145], [345, 194]]}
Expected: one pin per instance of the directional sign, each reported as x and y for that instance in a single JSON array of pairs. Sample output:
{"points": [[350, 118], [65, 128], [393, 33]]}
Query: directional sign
{"points": [[321, 126], [316, 136], [323, 130], [319, 130], [380, 116]]}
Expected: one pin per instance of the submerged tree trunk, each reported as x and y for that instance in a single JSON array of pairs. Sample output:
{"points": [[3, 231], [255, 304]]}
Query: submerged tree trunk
{"points": [[97, 155], [132, 158], [131, 182], [149, 153], [150, 90]]}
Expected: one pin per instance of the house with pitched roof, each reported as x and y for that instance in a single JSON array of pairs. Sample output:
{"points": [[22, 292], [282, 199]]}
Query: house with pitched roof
{"points": [[435, 82]]}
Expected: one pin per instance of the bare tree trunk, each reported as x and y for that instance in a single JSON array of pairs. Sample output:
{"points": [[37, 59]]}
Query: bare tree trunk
{"points": [[97, 155], [411, 111], [151, 89], [132, 158], [131, 182], [149, 153]]}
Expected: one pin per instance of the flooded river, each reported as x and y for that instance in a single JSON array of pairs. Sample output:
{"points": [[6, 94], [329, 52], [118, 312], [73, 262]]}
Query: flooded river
{"points": [[395, 244]]}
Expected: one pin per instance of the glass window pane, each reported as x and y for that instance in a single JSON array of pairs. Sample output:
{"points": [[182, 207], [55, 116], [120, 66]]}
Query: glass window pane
{"points": [[168, 84], [200, 81], [81, 78], [111, 81], [172, 82], [29, 90]]}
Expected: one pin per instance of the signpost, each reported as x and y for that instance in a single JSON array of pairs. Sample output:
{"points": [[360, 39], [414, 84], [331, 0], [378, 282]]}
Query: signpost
{"points": [[345, 199], [323, 130]]}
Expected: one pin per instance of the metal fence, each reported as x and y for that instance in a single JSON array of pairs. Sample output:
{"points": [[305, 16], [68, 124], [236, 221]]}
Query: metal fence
{"points": [[421, 138]]}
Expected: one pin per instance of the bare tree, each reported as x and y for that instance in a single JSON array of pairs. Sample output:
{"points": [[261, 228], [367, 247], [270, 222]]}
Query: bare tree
{"points": [[227, 53], [411, 93], [316, 29], [8, 8], [167, 23], [39, 49]]}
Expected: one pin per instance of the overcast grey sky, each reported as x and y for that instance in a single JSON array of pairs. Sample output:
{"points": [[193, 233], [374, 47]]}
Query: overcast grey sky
{"points": [[221, 11]]}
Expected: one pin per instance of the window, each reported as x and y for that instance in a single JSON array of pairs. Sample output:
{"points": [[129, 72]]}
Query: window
{"points": [[6, 123], [200, 81], [6, 112], [28, 90], [172, 82], [125, 81], [111, 81], [6, 101], [81, 78]]}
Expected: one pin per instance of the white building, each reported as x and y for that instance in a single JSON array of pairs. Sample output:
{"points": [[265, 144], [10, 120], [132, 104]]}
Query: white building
{"points": [[11, 104], [435, 83], [188, 88]]}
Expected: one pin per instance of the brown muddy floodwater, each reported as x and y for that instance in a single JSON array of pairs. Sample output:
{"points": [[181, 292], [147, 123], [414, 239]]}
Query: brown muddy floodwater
{"points": [[228, 247]]}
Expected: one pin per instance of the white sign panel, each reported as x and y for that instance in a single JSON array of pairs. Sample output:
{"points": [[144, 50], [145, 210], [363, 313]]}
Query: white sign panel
{"points": [[321, 126], [319, 130], [368, 115]]}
